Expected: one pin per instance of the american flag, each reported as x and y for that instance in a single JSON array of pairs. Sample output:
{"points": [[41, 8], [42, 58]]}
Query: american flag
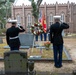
{"points": [[40, 16]]}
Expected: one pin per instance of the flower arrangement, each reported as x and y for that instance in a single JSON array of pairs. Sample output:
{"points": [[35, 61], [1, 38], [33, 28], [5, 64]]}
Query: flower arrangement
{"points": [[37, 29], [47, 44]]}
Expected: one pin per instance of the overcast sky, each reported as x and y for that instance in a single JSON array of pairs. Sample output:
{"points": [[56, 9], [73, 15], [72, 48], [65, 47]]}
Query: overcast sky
{"points": [[26, 2]]}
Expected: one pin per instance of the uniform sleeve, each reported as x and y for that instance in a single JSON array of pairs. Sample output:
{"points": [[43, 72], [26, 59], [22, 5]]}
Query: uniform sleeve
{"points": [[7, 37], [65, 25], [51, 35], [21, 29]]}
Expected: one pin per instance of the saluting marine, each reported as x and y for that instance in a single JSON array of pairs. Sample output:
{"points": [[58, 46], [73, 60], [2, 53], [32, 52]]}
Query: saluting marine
{"points": [[57, 40], [12, 37]]}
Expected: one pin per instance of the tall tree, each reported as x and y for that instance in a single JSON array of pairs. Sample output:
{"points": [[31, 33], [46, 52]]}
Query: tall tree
{"points": [[35, 8], [2, 11]]}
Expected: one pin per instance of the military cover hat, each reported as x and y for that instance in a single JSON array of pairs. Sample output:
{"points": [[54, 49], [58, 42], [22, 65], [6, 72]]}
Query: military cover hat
{"points": [[57, 17], [12, 21]]}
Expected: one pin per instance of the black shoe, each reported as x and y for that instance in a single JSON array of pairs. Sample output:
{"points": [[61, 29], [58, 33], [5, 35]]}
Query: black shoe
{"points": [[58, 66]]}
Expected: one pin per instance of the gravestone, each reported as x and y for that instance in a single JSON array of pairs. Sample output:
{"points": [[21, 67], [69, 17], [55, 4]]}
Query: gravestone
{"points": [[26, 39], [63, 33], [15, 62], [1, 41]]}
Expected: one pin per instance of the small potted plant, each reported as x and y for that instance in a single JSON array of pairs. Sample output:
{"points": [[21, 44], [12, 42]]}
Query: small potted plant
{"points": [[47, 44]]}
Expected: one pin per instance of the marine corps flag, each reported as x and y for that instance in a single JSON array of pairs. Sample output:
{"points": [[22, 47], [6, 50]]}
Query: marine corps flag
{"points": [[43, 21]]}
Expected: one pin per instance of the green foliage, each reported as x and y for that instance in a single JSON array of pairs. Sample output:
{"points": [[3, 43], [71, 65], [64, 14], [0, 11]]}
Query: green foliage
{"points": [[35, 8], [30, 0], [2, 32], [34, 11], [2, 14], [12, 0], [2, 2], [8, 9], [5, 10]]}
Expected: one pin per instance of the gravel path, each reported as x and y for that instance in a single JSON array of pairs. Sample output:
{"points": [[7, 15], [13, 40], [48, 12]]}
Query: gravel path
{"points": [[68, 67]]}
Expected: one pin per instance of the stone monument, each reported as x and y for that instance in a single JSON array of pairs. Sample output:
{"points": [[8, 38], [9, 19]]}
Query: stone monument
{"points": [[26, 40], [16, 62]]}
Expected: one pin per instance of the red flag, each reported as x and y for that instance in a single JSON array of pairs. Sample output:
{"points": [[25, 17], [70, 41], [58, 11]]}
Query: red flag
{"points": [[43, 21]]}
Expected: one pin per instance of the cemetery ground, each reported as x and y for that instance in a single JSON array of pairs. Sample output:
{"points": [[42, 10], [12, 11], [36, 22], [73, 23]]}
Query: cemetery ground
{"points": [[47, 67]]}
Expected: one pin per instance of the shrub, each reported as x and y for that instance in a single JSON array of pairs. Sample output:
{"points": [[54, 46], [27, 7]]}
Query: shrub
{"points": [[2, 32]]}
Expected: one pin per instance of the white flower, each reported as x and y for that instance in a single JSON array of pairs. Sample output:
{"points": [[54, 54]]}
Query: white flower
{"points": [[39, 30], [30, 28], [32, 25], [38, 24], [34, 32]]}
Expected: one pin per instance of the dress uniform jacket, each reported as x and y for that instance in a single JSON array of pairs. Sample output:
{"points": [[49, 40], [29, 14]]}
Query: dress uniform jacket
{"points": [[13, 32], [56, 32]]}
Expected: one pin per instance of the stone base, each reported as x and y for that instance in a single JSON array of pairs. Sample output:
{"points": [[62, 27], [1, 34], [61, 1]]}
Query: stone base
{"points": [[35, 57], [74, 72], [21, 47], [32, 73]]}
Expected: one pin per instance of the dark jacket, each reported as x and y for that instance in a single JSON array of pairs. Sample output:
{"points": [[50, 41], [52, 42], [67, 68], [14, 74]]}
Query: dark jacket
{"points": [[13, 32], [56, 32]]}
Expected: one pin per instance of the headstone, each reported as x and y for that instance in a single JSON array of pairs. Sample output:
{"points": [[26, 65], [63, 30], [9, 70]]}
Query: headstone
{"points": [[22, 47], [63, 33], [35, 57], [15, 62], [26, 39], [1, 41]]}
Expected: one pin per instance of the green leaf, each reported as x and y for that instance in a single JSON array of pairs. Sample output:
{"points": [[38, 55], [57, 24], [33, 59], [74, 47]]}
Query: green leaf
{"points": [[35, 9], [5, 9]]}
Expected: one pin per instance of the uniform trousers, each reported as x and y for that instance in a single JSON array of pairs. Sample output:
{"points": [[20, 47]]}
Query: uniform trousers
{"points": [[58, 49], [14, 48]]}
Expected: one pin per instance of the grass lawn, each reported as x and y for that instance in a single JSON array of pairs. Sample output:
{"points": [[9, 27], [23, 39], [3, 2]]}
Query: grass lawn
{"points": [[44, 54]]}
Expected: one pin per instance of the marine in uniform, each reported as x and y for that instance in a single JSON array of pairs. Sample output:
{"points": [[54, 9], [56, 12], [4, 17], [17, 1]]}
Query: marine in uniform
{"points": [[12, 37], [57, 40]]}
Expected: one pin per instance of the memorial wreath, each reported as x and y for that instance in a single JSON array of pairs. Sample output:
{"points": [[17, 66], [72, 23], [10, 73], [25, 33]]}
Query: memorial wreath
{"points": [[37, 29]]}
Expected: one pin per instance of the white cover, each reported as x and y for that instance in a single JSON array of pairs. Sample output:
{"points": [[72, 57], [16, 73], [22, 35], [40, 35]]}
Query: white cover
{"points": [[57, 17], [11, 21]]}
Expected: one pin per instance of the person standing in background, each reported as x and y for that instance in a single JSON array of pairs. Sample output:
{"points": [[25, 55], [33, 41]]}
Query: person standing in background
{"points": [[41, 36], [12, 37], [36, 37], [48, 33], [45, 36], [57, 40]]}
